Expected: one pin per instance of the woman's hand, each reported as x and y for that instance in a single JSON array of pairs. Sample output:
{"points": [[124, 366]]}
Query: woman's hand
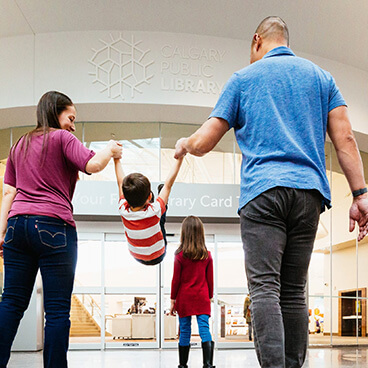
{"points": [[100, 160], [116, 149], [172, 308], [1, 246]]}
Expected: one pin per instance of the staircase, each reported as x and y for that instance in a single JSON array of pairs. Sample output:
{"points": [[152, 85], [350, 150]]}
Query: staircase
{"points": [[82, 322]]}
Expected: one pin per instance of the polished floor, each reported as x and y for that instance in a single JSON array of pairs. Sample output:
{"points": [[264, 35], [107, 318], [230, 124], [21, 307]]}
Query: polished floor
{"points": [[316, 358]]}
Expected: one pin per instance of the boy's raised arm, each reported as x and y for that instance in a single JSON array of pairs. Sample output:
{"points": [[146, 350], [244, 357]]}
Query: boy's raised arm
{"points": [[119, 175], [166, 189]]}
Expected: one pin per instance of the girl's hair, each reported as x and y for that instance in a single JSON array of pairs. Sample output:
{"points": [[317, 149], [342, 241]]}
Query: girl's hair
{"points": [[192, 242], [49, 108]]}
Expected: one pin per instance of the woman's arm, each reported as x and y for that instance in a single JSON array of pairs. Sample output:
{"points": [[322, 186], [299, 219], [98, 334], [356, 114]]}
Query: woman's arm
{"points": [[8, 197], [100, 160]]}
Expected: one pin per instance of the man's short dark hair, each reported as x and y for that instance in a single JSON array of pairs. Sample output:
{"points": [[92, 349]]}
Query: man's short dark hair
{"points": [[273, 27], [136, 189]]}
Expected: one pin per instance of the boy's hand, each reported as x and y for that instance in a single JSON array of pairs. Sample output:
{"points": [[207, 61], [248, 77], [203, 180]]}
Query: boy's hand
{"points": [[180, 149]]}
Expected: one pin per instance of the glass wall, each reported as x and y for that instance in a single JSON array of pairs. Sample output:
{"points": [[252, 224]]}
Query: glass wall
{"points": [[338, 276]]}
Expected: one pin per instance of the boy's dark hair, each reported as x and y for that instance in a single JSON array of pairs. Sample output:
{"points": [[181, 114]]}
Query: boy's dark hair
{"points": [[136, 189]]}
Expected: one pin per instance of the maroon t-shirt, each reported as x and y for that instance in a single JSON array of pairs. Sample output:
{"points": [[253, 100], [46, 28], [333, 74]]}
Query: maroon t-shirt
{"points": [[45, 187], [192, 285]]}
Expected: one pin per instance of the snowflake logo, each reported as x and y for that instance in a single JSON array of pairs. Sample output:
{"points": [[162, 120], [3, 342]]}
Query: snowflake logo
{"points": [[120, 67]]}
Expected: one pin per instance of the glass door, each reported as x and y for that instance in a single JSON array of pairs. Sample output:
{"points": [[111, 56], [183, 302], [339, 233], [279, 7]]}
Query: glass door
{"points": [[115, 301], [232, 327], [86, 315], [131, 304]]}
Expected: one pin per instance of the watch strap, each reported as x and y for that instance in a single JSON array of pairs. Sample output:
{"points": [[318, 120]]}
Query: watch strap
{"points": [[359, 192]]}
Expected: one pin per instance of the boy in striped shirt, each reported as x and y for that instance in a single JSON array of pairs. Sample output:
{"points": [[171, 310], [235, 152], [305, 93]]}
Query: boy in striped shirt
{"points": [[141, 218]]}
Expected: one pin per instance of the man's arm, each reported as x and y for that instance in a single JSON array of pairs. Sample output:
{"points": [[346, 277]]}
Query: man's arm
{"points": [[341, 134], [119, 175], [166, 189], [204, 139], [9, 195]]}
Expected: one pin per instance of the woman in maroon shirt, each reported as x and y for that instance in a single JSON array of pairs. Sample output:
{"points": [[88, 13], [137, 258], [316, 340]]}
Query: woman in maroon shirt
{"points": [[37, 230], [192, 289]]}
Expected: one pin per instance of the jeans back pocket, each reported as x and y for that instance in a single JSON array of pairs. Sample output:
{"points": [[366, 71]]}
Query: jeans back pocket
{"points": [[9, 236], [52, 233]]}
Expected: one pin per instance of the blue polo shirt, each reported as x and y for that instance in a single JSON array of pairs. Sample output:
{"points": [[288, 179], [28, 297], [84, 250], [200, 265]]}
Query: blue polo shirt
{"points": [[278, 107]]}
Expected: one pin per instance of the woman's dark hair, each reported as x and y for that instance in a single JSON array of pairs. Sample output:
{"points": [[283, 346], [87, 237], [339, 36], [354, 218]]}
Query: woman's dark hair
{"points": [[192, 242], [49, 108]]}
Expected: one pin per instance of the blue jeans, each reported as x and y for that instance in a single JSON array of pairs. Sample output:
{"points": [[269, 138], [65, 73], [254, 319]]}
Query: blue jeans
{"points": [[48, 244], [278, 231], [185, 325]]}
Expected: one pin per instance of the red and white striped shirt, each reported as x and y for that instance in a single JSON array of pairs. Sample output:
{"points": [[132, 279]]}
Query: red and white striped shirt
{"points": [[142, 229]]}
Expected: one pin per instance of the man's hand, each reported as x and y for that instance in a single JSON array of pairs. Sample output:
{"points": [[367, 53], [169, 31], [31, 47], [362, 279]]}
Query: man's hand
{"points": [[180, 149], [359, 213]]}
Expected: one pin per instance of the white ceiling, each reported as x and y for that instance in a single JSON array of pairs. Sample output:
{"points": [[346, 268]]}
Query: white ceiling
{"points": [[333, 29]]}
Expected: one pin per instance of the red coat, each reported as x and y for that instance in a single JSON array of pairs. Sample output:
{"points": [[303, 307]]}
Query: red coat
{"points": [[192, 285]]}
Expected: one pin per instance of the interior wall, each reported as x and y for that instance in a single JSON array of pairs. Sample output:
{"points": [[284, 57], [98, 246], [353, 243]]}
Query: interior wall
{"points": [[176, 76]]}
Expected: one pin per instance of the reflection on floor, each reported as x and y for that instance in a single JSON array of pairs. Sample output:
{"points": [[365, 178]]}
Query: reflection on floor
{"points": [[319, 339], [314, 339], [316, 358]]}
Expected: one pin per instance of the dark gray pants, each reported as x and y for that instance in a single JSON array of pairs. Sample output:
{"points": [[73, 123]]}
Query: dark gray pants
{"points": [[278, 231]]}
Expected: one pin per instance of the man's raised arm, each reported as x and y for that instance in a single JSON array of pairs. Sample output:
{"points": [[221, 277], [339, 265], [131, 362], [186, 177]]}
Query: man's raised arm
{"points": [[203, 140]]}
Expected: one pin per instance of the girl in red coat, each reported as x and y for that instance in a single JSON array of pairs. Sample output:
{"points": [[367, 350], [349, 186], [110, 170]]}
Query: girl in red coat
{"points": [[192, 289]]}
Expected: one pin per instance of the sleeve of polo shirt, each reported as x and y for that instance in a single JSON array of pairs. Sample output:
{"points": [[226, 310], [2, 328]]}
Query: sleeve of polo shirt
{"points": [[10, 176], [74, 151], [227, 106], [335, 97]]}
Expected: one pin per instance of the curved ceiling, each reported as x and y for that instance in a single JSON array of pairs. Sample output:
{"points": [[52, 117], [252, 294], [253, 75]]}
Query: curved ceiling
{"points": [[334, 29]]}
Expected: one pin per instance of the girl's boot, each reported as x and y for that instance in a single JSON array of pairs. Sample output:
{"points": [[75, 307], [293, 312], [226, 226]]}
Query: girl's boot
{"points": [[183, 356], [207, 349]]}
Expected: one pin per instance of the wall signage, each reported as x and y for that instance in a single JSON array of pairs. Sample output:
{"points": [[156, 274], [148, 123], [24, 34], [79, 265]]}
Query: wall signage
{"points": [[121, 67], [206, 200], [124, 66]]}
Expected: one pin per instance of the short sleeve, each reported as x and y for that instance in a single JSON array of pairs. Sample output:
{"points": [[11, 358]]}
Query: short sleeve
{"points": [[227, 106], [162, 205], [74, 151], [121, 205], [335, 98], [10, 177]]}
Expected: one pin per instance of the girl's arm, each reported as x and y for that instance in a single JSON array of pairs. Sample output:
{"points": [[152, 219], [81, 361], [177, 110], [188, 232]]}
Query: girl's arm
{"points": [[209, 276], [9, 195], [119, 176], [175, 283]]}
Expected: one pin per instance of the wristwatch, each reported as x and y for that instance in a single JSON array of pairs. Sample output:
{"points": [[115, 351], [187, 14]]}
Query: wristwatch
{"points": [[358, 192]]}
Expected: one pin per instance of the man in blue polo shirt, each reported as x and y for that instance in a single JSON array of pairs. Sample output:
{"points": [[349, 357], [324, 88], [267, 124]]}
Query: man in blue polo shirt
{"points": [[280, 107]]}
